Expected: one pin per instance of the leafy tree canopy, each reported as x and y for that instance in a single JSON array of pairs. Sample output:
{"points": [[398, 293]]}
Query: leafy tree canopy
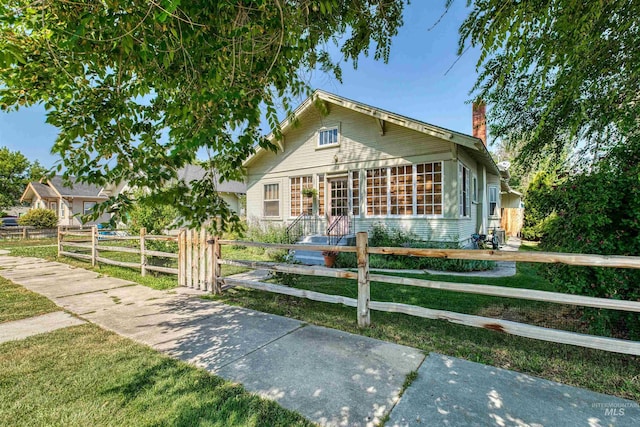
{"points": [[558, 72], [15, 173], [117, 75]]}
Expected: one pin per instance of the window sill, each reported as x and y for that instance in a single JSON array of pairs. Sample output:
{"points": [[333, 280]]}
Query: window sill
{"points": [[326, 147]]}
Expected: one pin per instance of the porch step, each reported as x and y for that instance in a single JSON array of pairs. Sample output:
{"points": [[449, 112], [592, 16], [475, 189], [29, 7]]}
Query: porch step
{"points": [[315, 257]]}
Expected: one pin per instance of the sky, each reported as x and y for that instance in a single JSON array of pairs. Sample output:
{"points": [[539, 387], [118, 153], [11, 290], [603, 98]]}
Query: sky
{"points": [[424, 79]]}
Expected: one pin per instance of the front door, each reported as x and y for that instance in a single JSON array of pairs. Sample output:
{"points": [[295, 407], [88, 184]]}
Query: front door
{"points": [[338, 206]]}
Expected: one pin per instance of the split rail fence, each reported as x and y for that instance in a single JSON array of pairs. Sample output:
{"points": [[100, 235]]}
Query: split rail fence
{"points": [[22, 232], [364, 277], [200, 260], [193, 256]]}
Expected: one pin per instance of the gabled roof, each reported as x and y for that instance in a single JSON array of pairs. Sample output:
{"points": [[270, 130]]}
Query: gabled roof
{"points": [[54, 188], [474, 145], [195, 173], [77, 189]]}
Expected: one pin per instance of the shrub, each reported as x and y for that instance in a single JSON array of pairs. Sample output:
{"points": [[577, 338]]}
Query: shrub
{"points": [[270, 233], [382, 235], [598, 212], [41, 218]]}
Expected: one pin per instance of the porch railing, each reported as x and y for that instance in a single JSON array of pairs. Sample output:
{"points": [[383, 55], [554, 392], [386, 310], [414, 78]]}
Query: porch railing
{"points": [[339, 227], [303, 225]]}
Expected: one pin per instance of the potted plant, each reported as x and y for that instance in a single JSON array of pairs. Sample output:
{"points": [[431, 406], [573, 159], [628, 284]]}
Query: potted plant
{"points": [[329, 258], [309, 192]]}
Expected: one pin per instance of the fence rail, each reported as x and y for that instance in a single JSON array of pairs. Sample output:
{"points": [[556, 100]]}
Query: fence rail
{"points": [[95, 239], [22, 232], [363, 302]]}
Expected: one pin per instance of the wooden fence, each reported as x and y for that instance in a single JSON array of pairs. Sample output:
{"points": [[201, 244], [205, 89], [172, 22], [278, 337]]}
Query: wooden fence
{"points": [[364, 277], [95, 240], [194, 255], [512, 221], [22, 232]]}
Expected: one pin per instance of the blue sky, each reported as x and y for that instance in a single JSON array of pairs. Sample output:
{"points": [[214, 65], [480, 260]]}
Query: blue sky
{"points": [[414, 82]]}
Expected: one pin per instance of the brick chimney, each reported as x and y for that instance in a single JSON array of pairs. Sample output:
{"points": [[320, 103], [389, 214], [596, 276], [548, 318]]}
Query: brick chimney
{"points": [[479, 124]]}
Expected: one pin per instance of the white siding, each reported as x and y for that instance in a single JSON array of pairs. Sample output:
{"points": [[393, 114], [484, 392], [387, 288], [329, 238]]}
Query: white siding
{"points": [[361, 147]]}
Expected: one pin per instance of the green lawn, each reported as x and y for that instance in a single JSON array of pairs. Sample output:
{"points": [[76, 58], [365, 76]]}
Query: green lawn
{"points": [[86, 376], [596, 370], [18, 303]]}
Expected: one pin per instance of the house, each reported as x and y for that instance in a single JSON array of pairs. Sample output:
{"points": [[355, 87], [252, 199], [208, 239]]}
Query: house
{"points": [[369, 166], [232, 192], [68, 202]]}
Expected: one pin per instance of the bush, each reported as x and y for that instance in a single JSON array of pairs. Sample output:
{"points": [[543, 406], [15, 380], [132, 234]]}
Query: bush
{"points": [[270, 233], [598, 212], [382, 235], [41, 218]]}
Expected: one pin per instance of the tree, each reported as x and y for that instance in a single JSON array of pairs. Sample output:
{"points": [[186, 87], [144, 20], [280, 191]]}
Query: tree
{"points": [[115, 76], [558, 73], [15, 173]]}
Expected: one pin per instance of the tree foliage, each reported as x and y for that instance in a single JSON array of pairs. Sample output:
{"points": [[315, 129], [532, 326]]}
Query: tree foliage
{"points": [[15, 173], [598, 212], [558, 72], [40, 217], [136, 88]]}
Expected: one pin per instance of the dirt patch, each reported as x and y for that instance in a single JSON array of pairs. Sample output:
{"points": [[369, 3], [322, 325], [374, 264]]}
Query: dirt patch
{"points": [[564, 318]]}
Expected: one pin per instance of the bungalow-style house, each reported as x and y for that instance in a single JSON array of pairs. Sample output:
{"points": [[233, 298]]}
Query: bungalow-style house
{"points": [[367, 166], [232, 192], [65, 201]]}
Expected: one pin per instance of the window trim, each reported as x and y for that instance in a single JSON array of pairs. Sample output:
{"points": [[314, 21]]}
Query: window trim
{"points": [[84, 206], [279, 199], [464, 199], [302, 198], [365, 191], [474, 189], [497, 201], [328, 129]]}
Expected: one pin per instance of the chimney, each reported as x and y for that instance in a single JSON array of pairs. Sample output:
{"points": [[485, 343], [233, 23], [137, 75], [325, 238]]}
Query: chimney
{"points": [[479, 123]]}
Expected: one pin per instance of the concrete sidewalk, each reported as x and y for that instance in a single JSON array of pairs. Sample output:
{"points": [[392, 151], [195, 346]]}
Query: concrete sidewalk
{"points": [[331, 377]]}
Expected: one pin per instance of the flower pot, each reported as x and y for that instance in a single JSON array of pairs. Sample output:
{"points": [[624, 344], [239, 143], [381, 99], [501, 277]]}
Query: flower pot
{"points": [[329, 260]]}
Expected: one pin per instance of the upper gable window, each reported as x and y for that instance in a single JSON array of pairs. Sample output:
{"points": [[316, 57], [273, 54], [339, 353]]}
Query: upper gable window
{"points": [[328, 137]]}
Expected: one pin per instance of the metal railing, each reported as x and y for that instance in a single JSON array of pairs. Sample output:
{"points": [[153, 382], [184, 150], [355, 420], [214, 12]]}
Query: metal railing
{"points": [[304, 224], [339, 227]]}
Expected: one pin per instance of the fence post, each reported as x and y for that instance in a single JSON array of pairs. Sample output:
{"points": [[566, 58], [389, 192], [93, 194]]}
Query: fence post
{"points": [[189, 259], [181, 258], [217, 288], [143, 258], [25, 234], [202, 246], [210, 270], [94, 245], [362, 248], [59, 240]]}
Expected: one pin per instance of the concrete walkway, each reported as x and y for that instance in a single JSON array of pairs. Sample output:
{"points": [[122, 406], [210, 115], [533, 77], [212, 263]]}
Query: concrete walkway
{"points": [[20, 329], [331, 377]]}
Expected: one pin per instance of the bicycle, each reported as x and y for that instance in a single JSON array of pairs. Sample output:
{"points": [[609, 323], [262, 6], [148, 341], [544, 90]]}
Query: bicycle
{"points": [[481, 241]]}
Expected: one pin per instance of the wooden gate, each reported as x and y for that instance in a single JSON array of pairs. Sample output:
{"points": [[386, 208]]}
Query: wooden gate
{"points": [[196, 253], [512, 220]]}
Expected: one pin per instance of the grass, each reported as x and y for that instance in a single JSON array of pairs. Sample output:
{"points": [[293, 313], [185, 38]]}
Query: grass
{"points": [[592, 369], [18, 303], [600, 371], [84, 375]]}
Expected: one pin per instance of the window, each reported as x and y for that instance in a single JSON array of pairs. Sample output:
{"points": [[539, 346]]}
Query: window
{"points": [[405, 190], [493, 199], [429, 189], [271, 200], [401, 191], [377, 191], [62, 211], [464, 192], [355, 193], [475, 189], [54, 207], [87, 206], [300, 203], [327, 137]]}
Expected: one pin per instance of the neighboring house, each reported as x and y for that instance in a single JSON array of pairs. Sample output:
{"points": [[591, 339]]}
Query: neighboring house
{"points": [[68, 202], [232, 192], [510, 198], [372, 166]]}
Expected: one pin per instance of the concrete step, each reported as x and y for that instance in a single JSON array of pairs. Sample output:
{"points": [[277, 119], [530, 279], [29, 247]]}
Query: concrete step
{"points": [[315, 257]]}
